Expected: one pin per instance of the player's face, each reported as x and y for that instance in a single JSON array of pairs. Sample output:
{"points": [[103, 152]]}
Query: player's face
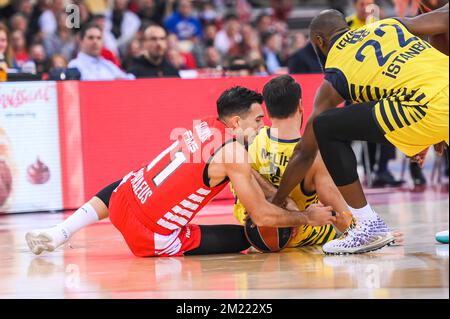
{"points": [[249, 126]]}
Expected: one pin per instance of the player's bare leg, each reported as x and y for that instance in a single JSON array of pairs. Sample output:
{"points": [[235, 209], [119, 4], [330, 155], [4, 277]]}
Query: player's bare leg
{"points": [[49, 239]]}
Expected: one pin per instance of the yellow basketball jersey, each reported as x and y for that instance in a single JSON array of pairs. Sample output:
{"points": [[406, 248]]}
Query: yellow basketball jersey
{"points": [[383, 60], [270, 157], [404, 75]]}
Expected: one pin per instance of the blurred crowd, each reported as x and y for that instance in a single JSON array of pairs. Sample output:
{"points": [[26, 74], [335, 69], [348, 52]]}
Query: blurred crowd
{"points": [[125, 39], [154, 38], [146, 38]]}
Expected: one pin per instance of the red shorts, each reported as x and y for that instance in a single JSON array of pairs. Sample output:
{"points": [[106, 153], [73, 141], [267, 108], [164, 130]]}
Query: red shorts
{"points": [[142, 241]]}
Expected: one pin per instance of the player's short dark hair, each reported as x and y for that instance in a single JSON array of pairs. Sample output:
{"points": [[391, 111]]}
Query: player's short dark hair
{"points": [[88, 27], [237, 101], [282, 96]]}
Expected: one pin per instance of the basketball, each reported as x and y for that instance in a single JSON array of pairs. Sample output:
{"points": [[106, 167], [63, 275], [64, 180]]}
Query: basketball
{"points": [[267, 239]]}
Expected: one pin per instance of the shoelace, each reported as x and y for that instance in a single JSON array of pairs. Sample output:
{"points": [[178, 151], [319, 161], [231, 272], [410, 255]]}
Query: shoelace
{"points": [[349, 228]]}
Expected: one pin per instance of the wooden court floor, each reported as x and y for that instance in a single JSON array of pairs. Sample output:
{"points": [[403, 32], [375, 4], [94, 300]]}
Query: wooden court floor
{"points": [[97, 263]]}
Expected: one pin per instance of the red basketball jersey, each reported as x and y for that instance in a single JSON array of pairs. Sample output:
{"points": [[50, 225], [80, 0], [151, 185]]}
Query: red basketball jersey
{"points": [[167, 193]]}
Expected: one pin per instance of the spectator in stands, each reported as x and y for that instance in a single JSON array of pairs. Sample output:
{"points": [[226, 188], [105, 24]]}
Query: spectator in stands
{"points": [[154, 11], [229, 36], [58, 61], [243, 10], [134, 51], [209, 34], [19, 46], [62, 41], [208, 15], [298, 41], [110, 50], [176, 59], [6, 53], [212, 58], [122, 23], [89, 61], [25, 7], [186, 57], [39, 57], [183, 23], [358, 19], [109, 41], [271, 42], [264, 23], [153, 62], [199, 48], [238, 66], [33, 20], [19, 22], [304, 61], [250, 44], [48, 22]]}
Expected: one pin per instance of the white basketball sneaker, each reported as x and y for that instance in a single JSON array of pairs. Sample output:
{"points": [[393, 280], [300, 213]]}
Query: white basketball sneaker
{"points": [[362, 236], [48, 239]]}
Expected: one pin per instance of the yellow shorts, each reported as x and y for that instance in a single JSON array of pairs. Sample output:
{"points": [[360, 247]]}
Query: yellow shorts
{"points": [[412, 127], [313, 235]]}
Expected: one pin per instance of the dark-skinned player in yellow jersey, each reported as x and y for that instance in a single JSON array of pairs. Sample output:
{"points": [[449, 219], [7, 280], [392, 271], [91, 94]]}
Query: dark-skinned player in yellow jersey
{"points": [[398, 84]]}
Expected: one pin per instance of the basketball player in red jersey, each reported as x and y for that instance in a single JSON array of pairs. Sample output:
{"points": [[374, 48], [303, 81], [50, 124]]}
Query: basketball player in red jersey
{"points": [[152, 206]]}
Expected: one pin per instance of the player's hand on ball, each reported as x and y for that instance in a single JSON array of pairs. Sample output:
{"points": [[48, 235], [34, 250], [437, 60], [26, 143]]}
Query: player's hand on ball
{"points": [[319, 215]]}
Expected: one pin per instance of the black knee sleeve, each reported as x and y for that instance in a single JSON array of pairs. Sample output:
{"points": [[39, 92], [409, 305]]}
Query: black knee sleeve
{"points": [[336, 153], [105, 193], [221, 239], [322, 124]]}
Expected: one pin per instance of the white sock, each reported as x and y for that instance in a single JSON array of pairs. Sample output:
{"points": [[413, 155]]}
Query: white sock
{"points": [[83, 216], [365, 212]]}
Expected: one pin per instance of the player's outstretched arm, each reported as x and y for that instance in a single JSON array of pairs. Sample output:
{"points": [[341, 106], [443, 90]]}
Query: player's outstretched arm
{"points": [[252, 197], [431, 23], [306, 150]]}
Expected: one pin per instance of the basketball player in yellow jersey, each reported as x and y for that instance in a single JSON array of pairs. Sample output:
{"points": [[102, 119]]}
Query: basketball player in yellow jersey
{"points": [[399, 86], [270, 153]]}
